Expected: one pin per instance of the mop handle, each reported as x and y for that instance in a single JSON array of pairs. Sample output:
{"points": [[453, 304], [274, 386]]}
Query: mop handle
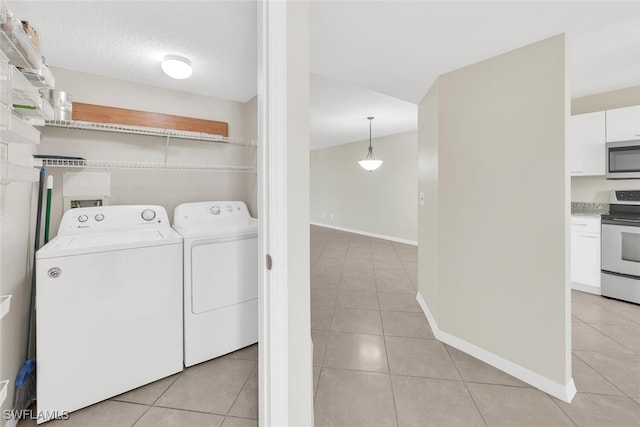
{"points": [[48, 211]]}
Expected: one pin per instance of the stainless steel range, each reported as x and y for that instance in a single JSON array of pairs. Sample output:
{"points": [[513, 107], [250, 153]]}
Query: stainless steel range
{"points": [[621, 247]]}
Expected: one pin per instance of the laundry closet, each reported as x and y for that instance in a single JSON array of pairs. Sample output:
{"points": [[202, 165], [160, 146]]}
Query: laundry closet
{"points": [[88, 163]]}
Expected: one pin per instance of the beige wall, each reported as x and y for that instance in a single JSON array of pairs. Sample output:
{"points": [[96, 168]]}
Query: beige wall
{"points": [[606, 100], [428, 215], [596, 188], [383, 202], [297, 198], [166, 188], [499, 203]]}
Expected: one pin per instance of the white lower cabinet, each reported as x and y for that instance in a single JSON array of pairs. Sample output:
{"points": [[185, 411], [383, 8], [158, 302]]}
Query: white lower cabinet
{"points": [[585, 254]]}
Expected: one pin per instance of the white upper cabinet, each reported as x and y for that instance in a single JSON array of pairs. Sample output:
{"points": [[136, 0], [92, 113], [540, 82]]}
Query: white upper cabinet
{"points": [[623, 124], [587, 144]]}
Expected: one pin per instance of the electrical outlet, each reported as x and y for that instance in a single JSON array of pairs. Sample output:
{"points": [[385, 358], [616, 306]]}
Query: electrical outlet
{"points": [[421, 199]]}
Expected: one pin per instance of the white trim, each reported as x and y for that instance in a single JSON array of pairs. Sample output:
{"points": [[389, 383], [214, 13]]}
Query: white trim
{"points": [[596, 290], [366, 233], [13, 422], [272, 206], [564, 392]]}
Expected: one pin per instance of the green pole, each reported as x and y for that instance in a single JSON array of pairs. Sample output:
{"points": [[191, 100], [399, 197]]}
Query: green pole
{"points": [[48, 211]]}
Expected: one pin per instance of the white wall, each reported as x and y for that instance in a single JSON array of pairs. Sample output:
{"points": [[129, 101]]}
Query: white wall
{"points": [[286, 375], [383, 202], [596, 189], [166, 188], [17, 222], [497, 213]]}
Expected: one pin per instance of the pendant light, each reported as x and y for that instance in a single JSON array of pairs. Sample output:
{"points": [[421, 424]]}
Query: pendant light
{"points": [[370, 163]]}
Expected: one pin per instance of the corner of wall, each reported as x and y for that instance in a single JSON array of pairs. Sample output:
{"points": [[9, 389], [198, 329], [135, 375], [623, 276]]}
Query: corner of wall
{"points": [[428, 258], [565, 392]]}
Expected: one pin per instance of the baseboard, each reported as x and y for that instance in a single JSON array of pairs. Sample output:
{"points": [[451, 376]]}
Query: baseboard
{"points": [[366, 233], [596, 290], [564, 392]]}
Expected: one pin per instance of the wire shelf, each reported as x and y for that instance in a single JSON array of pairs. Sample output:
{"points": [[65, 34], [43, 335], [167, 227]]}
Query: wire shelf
{"points": [[140, 130], [114, 164]]}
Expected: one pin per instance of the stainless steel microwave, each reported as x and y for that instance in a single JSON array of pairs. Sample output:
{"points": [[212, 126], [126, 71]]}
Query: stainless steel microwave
{"points": [[623, 160]]}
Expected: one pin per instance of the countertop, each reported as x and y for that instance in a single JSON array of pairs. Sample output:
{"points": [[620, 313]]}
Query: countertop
{"points": [[589, 209]]}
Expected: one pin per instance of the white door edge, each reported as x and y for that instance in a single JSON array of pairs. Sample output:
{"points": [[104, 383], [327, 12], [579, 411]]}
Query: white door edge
{"points": [[273, 389]]}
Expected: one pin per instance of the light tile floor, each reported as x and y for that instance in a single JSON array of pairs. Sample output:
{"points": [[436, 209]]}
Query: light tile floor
{"points": [[376, 362], [221, 392]]}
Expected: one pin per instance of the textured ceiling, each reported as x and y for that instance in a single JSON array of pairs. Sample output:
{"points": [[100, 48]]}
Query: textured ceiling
{"points": [[128, 39], [373, 58]]}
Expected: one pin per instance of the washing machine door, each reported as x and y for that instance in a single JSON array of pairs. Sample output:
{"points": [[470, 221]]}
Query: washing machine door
{"points": [[224, 272]]}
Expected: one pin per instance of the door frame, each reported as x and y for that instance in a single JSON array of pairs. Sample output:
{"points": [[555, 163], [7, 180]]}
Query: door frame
{"points": [[273, 363]]}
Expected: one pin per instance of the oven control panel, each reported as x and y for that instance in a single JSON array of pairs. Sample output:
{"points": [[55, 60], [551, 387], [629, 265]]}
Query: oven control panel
{"points": [[631, 197]]}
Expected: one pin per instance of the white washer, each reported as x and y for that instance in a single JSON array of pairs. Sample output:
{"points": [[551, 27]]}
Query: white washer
{"points": [[109, 306], [220, 278]]}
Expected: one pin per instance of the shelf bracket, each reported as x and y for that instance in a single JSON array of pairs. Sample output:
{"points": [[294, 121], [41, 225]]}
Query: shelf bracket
{"points": [[166, 149]]}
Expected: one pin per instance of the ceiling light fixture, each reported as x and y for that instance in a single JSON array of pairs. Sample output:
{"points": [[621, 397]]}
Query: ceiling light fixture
{"points": [[370, 163], [177, 67]]}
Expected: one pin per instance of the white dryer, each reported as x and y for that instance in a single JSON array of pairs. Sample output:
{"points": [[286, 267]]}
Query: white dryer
{"points": [[220, 278], [108, 306]]}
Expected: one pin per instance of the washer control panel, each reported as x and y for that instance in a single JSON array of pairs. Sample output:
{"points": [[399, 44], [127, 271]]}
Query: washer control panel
{"points": [[112, 218]]}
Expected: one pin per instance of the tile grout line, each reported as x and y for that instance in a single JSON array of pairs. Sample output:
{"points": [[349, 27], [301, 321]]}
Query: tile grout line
{"points": [[333, 313], [563, 411], [393, 392], [158, 398], [386, 348], [599, 373], [611, 338], [466, 387], [255, 368], [191, 410]]}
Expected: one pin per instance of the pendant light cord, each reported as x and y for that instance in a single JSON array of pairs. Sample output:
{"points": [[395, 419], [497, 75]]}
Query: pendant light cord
{"points": [[370, 153]]}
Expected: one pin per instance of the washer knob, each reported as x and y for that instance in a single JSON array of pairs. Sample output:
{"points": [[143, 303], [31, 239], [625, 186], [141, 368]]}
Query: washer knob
{"points": [[229, 208], [215, 210], [83, 218], [99, 217], [148, 214]]}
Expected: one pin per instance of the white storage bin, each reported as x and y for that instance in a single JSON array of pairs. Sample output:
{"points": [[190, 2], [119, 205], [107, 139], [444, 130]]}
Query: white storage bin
{"points": [[3, 391], [15, 129], [5, 305], [15, 43], [12, 172], [22, 91]]}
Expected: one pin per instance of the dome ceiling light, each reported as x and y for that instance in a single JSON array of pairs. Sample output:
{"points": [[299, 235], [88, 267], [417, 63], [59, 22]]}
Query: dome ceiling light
{"points": [[177, 67]]}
